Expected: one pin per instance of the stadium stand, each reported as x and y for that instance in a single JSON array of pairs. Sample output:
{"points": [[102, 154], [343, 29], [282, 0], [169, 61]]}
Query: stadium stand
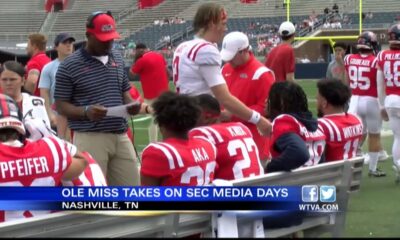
{"points": [[345, 175]]}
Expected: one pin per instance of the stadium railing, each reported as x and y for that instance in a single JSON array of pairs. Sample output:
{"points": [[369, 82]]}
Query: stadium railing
{"points": [[345, 175]]}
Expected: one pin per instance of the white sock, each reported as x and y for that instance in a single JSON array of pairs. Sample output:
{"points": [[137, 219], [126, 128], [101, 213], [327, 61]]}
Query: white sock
{"points": [[373, 160]]}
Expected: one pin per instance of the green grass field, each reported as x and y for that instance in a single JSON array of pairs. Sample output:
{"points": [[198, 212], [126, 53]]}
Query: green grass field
{"points": [[373, 212]]}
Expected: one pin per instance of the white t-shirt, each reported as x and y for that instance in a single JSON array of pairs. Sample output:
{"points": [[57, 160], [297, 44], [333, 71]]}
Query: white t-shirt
{"points": [[189, 57]]}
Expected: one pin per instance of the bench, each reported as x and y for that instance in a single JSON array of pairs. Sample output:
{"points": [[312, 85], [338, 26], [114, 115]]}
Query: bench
{"points": [[345, 175]]}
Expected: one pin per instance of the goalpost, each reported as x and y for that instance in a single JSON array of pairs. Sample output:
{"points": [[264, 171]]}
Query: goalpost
{"points": [[329, 38]]}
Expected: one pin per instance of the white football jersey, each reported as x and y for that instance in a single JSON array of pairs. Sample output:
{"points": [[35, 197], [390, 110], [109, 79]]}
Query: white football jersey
{"points": [[188, 57]]}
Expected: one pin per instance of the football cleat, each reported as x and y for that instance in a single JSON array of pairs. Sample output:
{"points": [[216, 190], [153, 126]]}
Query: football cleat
{"points": [[376, 173]]}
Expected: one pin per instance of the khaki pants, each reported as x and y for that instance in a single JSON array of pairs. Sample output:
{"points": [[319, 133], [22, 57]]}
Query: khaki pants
{"points": [[115, 155], [153, 128]]}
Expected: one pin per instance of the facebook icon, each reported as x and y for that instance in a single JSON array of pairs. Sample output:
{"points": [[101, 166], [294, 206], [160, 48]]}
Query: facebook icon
{"points": [[309, 193]]}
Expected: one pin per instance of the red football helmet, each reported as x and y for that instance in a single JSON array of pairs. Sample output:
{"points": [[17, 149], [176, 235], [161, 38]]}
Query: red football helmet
{"points": [[10, 115], [394, 34], [367, 40]]}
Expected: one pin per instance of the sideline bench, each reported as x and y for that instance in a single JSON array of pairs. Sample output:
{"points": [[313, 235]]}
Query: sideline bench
{"points": [[345, 175]]}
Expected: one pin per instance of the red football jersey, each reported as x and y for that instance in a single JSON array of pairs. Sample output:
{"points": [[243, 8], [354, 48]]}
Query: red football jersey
{"points": [[180, 162], [343, 133], [315, 141], [389, 63], [40, 163], [361, 70], [92, 176], [237, 153]]}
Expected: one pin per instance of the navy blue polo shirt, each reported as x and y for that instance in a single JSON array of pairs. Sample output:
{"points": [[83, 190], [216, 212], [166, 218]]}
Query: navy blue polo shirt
{"points": [[83, 80]]}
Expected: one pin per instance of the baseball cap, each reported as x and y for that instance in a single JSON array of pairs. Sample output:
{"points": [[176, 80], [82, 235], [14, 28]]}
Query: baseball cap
{"points": [[233, 43], [286, 29], [62, 37], [103, 27]]}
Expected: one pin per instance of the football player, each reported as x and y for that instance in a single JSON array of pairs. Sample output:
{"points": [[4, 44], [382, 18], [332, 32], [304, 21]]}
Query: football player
{"points": [[361, 71], [25, 163], [343, 131], [196, 65], [177, 160], [389, 71], [237, 153], [92, 175], [296, 140]]}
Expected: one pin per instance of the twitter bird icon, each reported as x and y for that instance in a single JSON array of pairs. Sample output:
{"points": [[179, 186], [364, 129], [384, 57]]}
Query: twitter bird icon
{"points": [[327, 193]]}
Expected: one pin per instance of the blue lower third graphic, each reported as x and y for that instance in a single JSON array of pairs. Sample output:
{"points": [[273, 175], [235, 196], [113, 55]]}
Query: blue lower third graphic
{"points": [[309, 193], [327, 193]]}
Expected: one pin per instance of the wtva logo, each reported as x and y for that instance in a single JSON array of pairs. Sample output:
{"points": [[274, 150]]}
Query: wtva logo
{"points": [[309, 193]]}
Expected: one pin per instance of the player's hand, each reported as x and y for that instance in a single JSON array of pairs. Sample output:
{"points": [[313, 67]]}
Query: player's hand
{"points": [[384, 115], [264, 126], [225, 116], [96, 112], [133, 108], [340, 58]]}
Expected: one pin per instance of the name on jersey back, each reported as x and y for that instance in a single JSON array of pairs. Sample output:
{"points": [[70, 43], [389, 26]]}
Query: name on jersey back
{"points": [[24, 167]]}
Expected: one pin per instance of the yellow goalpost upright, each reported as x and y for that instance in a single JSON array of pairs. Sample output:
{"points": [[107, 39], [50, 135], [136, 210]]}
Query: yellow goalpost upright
{"points": [[329, 38]]}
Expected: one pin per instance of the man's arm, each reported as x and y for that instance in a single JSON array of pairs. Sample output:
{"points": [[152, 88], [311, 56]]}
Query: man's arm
{"points": [[294, 153], [45, 94], [92, 112], [32, 80], [290, 77], [133, 110]]}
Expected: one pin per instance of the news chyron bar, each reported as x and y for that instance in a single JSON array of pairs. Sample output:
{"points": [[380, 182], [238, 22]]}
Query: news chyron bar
{"points": [[260, 198]]}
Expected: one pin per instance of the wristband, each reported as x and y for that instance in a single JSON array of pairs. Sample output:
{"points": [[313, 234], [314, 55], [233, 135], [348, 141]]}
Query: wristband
{"points": [[85, 109], [255, 117]]}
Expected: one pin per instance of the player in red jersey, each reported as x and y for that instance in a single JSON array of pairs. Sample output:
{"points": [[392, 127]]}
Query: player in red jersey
{"points": [[343, 130], [177, 160], [237, 153], [361, 70], [92, 176], [296, 140], [389, 71], [25, 163]]}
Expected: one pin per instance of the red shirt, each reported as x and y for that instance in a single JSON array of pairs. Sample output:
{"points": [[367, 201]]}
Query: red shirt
{"points": [[151, 68], [40, 163], [237, 153], [251, 83], [315, 141], [281, 61], [343, 133], [37, 62], [180, 162], [135, 95], [389, 63], [361, 70]]}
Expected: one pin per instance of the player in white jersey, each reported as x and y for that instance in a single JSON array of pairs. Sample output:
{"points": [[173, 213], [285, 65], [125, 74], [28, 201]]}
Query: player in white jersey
{"points": [[196, 65], [389, 86]]}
